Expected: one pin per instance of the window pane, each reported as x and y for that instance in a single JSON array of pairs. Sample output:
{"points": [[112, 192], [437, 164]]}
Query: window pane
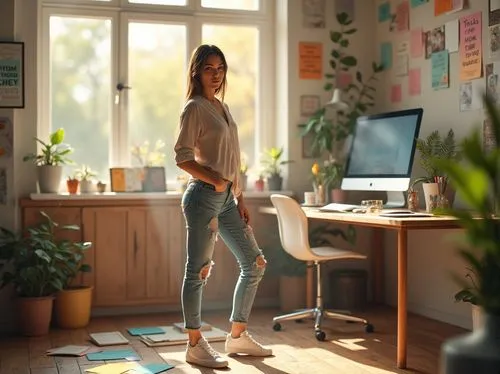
{"points": [[80, 73], [241, 48], [159, 2], [231, 4], [157, 65]]}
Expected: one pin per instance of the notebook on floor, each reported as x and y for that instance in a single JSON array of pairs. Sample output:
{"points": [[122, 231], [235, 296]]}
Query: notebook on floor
{"points": [[103, 339], [173, 336]]}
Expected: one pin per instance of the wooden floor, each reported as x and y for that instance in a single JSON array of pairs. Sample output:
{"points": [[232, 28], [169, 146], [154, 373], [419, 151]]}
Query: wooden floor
{"points": [[347, 349]]}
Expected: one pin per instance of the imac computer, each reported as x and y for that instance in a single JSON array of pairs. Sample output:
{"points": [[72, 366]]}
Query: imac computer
{"points": [[381, 154]]}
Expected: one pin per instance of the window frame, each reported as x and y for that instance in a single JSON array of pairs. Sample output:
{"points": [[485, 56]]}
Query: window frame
{"points": [[193, 16]]}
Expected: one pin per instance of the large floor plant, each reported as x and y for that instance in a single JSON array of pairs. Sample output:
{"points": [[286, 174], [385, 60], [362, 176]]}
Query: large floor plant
{"points": [[477, 182], [35, 263]]}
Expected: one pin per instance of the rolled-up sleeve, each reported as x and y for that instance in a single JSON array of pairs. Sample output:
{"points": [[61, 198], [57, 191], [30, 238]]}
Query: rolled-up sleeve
{"points": [[190, 127]]}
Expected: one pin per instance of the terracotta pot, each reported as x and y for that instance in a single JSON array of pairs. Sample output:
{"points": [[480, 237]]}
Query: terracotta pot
{"points": [[259, 185], [34, 315], [338, 195], [72, 185], [72, 307]]}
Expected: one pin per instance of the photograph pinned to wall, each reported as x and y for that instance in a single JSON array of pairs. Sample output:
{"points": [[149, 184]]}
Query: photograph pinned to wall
{"points": [[384, 12], [494, 44], [309, 104], [416, 42], [310, 60], [494, 12], [11, 75], [307, 142], [492, 71], [434, 41], [440, 70], [471, 95], [401, 59], [416, 3], [471, 54], [313, 14], [3, 186], [345, 6], [403, 16], [451, 36], [489, 141], [5, 137]]}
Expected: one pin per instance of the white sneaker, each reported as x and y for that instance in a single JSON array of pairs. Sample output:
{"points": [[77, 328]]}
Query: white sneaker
{"points": [[245, 344], [204, 355]]}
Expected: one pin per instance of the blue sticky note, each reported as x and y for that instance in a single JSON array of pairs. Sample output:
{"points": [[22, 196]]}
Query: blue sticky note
{"points": [[386, 55], [120, 354], [135, 331], [384, 12], [156, 368], [416, 3]]}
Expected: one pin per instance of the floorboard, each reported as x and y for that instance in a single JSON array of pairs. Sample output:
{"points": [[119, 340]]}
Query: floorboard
{"points": [[347, 349]]}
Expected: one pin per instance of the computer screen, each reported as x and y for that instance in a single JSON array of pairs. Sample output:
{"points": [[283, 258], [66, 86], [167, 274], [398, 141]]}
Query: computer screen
{"points": [[381, 154]]}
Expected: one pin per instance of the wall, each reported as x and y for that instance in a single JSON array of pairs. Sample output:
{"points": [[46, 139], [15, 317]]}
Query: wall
{"points": [[432, 256]]}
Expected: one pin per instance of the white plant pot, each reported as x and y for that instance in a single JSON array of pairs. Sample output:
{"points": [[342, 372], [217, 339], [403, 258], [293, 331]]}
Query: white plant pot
{"points": [[49, 178], [87, 186], [429, 190]]}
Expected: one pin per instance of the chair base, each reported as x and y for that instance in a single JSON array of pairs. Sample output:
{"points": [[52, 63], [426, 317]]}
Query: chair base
{"points": [[317, 314]]}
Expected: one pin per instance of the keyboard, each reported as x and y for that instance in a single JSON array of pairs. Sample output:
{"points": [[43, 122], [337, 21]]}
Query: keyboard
{"points": [[338, 207]]}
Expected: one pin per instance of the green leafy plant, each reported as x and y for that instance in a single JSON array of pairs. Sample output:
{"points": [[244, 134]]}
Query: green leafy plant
{"points": [[272, 162], [326, 131], [149, 157], [477, 180], [37, 263], [436, 147], [54, 152], [85, 173], [329, 174]]}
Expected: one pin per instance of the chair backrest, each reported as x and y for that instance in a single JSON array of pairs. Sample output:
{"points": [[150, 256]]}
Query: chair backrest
{"points": [[293, 227]]}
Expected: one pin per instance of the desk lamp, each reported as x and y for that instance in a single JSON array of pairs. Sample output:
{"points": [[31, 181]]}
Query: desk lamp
{"points": [[336, 101]]}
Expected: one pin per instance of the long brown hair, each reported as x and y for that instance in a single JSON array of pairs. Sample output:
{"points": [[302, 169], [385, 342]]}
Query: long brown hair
{"points": [[196, 64]]}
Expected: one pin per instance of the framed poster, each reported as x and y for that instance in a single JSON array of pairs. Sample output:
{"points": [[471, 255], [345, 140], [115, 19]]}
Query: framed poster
{"points": [[11, 75], [309, 104]]}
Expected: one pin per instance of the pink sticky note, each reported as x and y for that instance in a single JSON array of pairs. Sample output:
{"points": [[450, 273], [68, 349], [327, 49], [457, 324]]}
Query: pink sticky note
{"points": [[414, 82], [416, 42], [396, 93], [344, 79]]}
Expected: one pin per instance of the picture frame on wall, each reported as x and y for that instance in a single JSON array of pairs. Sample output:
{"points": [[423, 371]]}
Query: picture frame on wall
{"points": [[309, 104], [307, 144], [12, 74]]}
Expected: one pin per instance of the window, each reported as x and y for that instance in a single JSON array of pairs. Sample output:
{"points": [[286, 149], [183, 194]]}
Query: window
{"points": [[114, 77]]}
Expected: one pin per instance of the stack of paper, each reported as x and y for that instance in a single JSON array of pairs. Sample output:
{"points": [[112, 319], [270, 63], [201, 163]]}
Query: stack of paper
{"points": [[174, 336], [130, 368], [70, 350], [108, 338]]}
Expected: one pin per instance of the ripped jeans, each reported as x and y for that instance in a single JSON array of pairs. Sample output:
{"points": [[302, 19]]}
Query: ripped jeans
{"points": [[209, 213]]}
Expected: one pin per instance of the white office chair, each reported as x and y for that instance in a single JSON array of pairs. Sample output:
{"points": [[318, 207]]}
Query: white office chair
{"points": [[294, 236]]}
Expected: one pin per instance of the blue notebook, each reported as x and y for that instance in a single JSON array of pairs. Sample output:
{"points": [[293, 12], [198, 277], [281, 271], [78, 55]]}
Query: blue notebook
{"points": [[120, 354], [156, 368], [136, 331]]}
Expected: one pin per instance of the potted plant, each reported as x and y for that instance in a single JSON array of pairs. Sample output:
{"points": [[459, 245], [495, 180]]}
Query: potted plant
{"points": [[72, 183], [73, 302], [328, 133], [49, 162], [436, 147], [477, 181], [272, 167], [329, 175], [152, 161], [85, 175], [32, 264], [259, 183], [467, 295]]}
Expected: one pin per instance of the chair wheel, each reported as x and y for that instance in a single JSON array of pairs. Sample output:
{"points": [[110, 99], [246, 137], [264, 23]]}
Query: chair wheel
{"points": [[320, 335], [276, 327], [369, 328]]}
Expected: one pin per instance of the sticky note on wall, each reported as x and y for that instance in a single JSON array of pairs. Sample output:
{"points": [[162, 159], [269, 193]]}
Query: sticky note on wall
{"points": [[386, 55]]}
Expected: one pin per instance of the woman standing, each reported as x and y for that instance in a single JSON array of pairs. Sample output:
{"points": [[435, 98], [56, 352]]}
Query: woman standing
{"points": [[208, 149]]}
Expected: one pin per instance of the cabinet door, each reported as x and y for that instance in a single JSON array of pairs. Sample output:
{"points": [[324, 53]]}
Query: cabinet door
{"points": [[106, 228]]}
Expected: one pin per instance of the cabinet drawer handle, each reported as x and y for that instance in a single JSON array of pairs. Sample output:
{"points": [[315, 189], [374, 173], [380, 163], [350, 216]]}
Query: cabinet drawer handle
{"points": [[135, 245]]}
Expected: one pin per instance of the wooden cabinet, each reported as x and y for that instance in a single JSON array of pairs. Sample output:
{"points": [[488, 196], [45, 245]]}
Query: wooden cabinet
{"points": [[138, 253]]}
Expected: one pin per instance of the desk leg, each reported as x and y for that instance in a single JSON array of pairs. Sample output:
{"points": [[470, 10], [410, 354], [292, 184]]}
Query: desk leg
{"points": [[402, 298], [310, 285], [377, 264]]}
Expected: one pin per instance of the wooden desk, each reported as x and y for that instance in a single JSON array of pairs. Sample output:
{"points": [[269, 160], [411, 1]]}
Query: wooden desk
{"points": [[402, 225]]}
